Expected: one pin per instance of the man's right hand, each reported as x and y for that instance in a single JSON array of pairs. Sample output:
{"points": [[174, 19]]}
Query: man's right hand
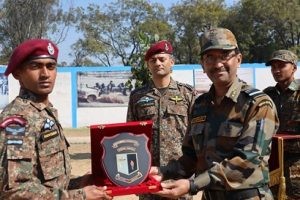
{"points": [[155, 173]]}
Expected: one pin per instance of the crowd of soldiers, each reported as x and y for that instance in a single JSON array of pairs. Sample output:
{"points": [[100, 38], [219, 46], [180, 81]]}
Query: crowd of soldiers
{"points": [[218, 142]]}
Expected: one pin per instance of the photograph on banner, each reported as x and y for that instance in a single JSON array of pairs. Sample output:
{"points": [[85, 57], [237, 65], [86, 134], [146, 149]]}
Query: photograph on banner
{"points": [[203, 83], [98, 89], [3, 91]]}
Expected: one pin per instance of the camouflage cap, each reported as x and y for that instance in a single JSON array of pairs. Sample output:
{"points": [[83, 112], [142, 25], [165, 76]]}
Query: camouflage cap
{"points": [[217, 38], [283, 55]]}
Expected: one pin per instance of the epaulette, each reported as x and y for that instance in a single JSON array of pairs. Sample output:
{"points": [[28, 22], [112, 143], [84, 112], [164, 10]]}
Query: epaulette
{"points": [[186, 85], [269, 89], [139, 90], [254, 93]]}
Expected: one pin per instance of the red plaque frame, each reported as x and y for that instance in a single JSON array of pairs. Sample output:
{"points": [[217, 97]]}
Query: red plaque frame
{"points": [[97, 133]]}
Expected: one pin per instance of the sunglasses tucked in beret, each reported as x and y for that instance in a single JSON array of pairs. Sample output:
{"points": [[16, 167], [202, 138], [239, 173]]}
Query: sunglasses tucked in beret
{"points": [[31, 49]]}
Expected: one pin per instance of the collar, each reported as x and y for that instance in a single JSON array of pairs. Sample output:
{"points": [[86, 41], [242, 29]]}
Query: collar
{"points": [[233, 91], [294, 85], [30, 96]]}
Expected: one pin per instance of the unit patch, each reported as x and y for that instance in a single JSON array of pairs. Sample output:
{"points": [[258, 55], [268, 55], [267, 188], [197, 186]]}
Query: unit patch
{"points": [[48, 124]]}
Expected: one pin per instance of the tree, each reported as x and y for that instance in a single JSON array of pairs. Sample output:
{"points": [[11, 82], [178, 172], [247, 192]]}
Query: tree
{"points": [[262, 26], [111, 35], [24, 19], [189, 18]]}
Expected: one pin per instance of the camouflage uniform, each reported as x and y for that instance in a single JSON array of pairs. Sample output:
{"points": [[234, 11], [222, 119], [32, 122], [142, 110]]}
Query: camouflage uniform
{"points": [[288, 106], [34, 152], [228, 145], [169, 112]]}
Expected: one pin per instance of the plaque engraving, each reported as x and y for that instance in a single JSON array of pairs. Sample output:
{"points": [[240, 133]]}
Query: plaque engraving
{"points": [[126, 158]]}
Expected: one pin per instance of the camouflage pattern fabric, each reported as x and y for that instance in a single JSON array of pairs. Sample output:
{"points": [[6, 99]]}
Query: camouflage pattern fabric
{"points": [[34, 156], [169, 112], [283, 55], [288, 107], [228, 145]]}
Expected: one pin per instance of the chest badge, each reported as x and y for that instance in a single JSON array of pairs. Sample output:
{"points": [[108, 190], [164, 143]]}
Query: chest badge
{"points": [[176, 99], [48, 124]]}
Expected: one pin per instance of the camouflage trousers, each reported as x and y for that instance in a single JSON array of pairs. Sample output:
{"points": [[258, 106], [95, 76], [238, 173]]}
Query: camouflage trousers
{"points": [[263, 193], [156, 197]]}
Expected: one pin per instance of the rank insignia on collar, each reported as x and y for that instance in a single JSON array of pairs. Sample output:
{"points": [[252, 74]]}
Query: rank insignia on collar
{"points": [[176, 99], [48, 124]]}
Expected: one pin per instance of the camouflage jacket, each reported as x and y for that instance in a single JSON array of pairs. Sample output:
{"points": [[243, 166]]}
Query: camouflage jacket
{"points": [[169, 112], [288, 106], [35, 162], [228, 145]]}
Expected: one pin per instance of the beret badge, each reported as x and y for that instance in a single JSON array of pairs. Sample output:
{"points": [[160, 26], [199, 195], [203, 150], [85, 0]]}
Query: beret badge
{"points": [[50, 48]]}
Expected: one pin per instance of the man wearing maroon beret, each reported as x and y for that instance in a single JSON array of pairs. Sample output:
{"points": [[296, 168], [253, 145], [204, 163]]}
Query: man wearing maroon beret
{"points": [[34, 158], [166, 102]]}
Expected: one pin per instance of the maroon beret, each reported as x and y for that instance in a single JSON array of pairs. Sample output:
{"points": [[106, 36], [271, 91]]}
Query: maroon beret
{"points": [[162, 46], [31, 49]]}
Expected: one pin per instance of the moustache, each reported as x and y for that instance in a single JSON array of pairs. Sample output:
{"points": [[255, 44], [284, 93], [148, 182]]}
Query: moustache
{"points": [[217, 70]]}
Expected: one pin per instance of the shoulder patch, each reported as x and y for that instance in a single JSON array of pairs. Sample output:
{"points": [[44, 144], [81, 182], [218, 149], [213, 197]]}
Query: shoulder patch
{"points": [[14, 128], [13, 120]]}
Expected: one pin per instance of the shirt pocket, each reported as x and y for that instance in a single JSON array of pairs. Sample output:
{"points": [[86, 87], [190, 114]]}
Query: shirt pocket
{"points": [[228, 134], [197, 133], [146, 113], [19, 159], [52, 160]]}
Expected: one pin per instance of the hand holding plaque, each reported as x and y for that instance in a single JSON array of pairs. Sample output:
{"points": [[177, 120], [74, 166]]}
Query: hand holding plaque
{"points": [[121, 158]]}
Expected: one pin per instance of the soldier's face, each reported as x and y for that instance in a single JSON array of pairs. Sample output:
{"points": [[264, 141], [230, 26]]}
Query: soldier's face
{"points": [[160, 65], [37, 75], [221, 66], [282, 71]]}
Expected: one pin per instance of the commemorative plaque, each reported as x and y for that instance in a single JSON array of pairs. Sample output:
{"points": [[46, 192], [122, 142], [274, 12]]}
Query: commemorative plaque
{"points": [[121, 159]]}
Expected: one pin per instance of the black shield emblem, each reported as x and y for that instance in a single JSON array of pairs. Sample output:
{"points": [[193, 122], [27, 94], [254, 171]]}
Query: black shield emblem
{"points": [[126, 158]]}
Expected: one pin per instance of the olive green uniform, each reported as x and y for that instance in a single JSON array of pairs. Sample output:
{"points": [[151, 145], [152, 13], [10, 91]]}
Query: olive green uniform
{"points": [[228, 145], [169, 111], [288, 107]]}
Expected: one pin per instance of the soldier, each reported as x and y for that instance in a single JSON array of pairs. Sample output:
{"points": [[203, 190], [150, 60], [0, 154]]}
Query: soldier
{"points": [[230, 132], [166, 102], [34, 157], [286, 96]]}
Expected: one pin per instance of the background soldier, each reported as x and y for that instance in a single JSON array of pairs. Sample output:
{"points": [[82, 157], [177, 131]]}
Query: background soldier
{"points": [[230, 132], [286, 96], [34, 158], [166, 102]]}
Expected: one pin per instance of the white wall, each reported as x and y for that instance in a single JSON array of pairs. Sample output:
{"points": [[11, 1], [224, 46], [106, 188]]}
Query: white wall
{"points": [[64, 96]]}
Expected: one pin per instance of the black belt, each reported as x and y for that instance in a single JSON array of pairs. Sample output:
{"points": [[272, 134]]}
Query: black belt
{"points": [[231, 195]]}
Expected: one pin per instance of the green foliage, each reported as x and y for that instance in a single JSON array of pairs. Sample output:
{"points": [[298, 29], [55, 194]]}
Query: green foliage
{"points": [[24, 19], [119, 32], [140, 73]]}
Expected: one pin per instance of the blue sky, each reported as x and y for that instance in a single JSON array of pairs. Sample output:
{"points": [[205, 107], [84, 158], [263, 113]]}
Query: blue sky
{"points": [[72, 37]]}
